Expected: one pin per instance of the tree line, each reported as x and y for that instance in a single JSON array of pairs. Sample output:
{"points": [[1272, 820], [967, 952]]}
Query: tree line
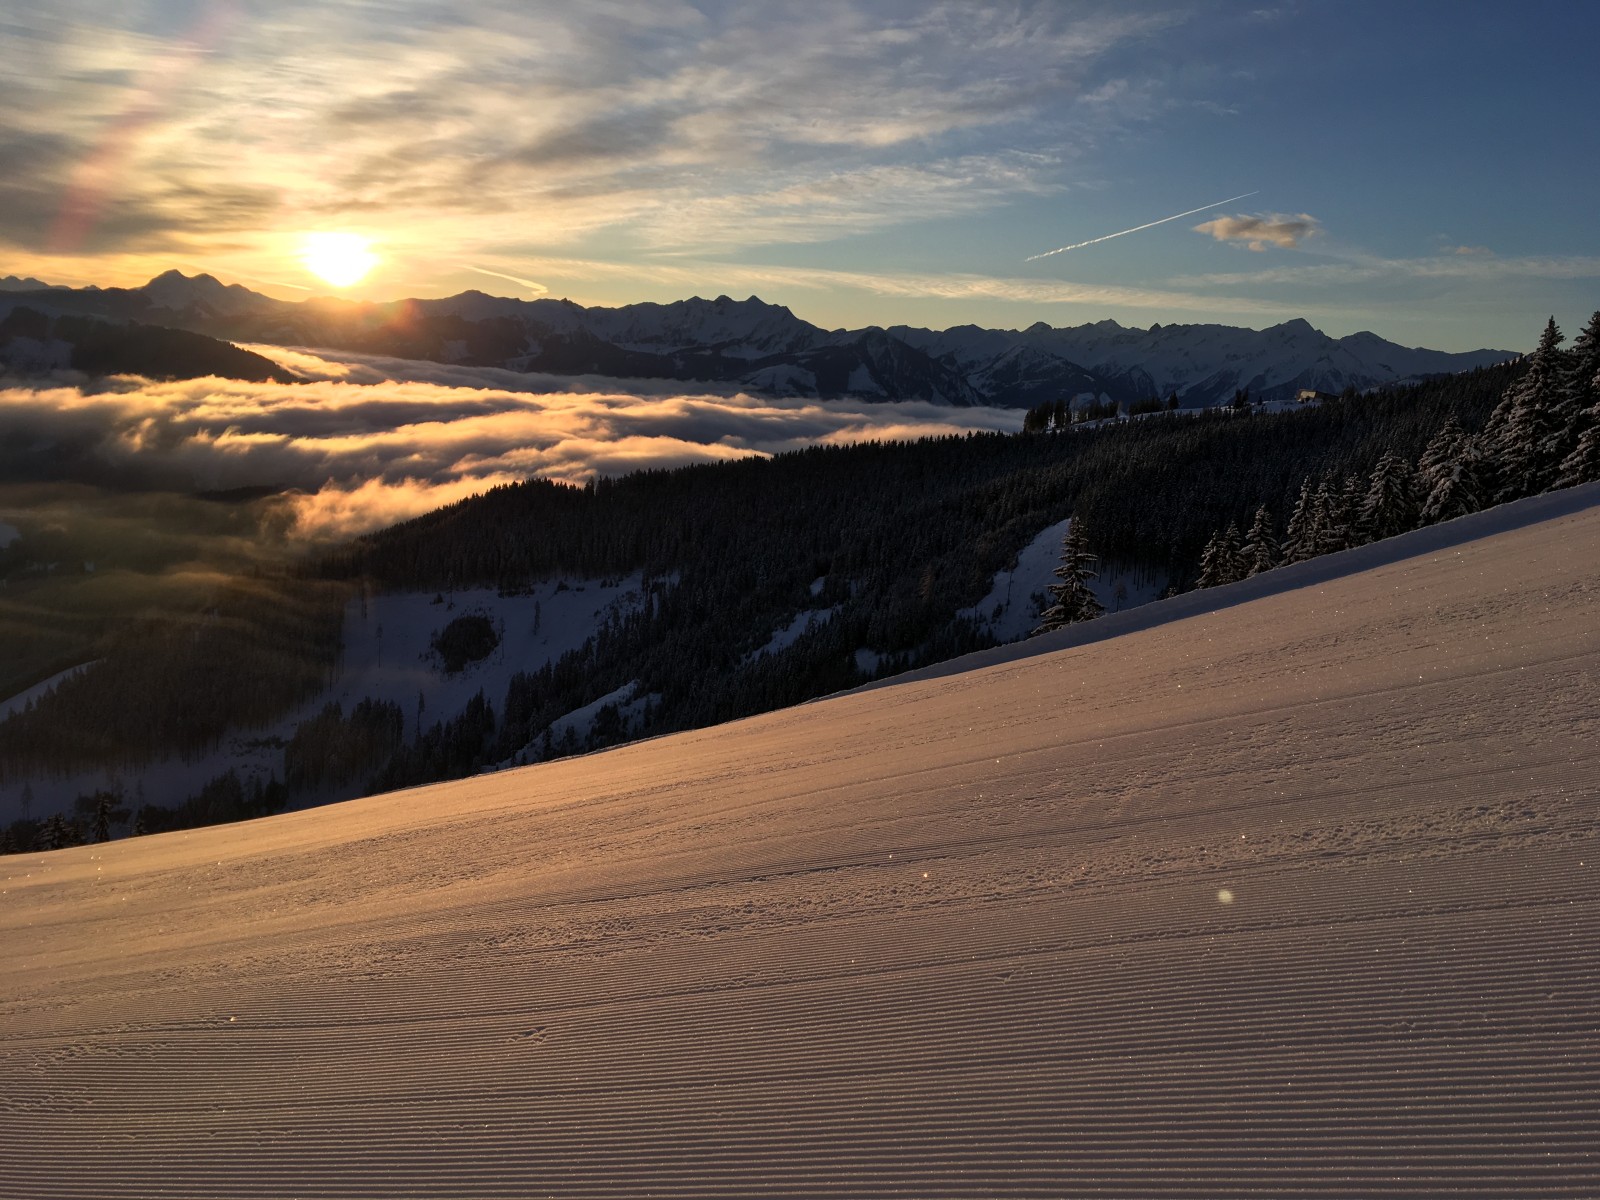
{"points": [[892, 540], [1543, 433]]}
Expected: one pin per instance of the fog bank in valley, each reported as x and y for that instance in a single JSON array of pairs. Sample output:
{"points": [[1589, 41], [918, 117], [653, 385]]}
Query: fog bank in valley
{"points": [[368, 441]]}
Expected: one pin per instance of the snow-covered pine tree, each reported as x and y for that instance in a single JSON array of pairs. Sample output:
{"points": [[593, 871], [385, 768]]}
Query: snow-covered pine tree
{"points": [[1581, 464], [1211, 562], [1260, 552], [1460, 488], [1572, 414], [1072, 600], [1299, 540], [1234, 545], [1331, 518], [1390, 505], [1452, 476], [1525, 426], [1221, 561], [1442, 449], [1351, 493]]}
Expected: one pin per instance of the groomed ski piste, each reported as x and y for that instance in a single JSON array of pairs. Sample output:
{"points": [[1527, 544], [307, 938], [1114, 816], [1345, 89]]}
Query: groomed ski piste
{"points": [[1282, 889]]}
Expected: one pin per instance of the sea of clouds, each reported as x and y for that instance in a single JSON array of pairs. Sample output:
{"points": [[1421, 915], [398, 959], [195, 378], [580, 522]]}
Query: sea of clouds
{"points": [[367, 441]]}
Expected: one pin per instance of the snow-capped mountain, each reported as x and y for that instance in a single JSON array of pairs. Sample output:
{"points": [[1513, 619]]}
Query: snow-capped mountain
{"points": [[765, 347], [1203, 364], [203, 294]]}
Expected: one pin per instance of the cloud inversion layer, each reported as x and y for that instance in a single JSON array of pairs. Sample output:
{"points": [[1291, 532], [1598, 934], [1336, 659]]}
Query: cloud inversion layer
{"points": [[366, 454]]}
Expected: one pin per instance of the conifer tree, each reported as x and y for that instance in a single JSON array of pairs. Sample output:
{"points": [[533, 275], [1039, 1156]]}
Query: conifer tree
{"points": [[1221, 561], [1330, 524], [104, 806], [1575, 401], [1581, 463], [1299, 542], [59, 833], [1390, 505], [1524, 429], [1233, 547], [1348, 509], [1260, 551], [1442, 450], [1073, 601], [1452, 476]]}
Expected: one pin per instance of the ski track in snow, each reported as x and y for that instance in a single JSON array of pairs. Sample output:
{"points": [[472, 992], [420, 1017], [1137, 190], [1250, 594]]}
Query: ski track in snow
{"points": [[957, 936]]}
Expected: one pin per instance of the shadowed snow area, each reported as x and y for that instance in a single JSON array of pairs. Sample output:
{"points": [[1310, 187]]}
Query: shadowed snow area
{"points": [[1296, 897]]}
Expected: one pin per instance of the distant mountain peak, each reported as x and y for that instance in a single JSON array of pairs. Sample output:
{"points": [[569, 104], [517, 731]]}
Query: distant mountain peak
{"points": [[176, 291], [754, 344], [173, 275], [13, 283]]}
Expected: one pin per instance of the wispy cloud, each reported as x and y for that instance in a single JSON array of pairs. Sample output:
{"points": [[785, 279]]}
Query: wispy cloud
{"points": [[1263, 229], [545, 122], [1369, 269], [528, 284], [914, 285]]}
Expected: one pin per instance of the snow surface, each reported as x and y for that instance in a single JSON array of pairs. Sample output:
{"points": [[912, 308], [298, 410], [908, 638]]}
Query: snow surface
{"points": [[1011, 609], [387, 640], [1293, 896], [785, 379], [580, 721], [861, 382], [868, 661], [387, 656], [782, 639]]}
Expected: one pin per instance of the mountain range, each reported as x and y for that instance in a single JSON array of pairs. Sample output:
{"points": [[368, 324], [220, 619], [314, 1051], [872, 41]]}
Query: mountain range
{"points": [[765, 348]]}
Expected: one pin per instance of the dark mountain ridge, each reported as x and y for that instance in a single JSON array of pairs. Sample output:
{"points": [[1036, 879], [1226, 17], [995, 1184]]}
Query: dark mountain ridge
{"points": [[766, 348]]}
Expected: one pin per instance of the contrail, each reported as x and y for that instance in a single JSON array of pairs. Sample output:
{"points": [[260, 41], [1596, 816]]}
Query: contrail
{"points": [[527, 283], [1137, 228]]}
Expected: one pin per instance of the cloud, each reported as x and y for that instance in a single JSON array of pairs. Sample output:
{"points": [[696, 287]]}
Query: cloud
{"points": [[687, 275], [355, 456], [537, 289], [657, 121], [1263, 229], [1372, 269]]}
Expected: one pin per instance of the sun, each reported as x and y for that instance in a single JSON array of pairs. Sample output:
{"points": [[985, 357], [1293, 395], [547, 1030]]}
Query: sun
{"points": [[338, 258]]}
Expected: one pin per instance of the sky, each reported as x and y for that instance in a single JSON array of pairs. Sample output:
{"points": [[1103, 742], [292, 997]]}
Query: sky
{"points": [[1426, 170]]}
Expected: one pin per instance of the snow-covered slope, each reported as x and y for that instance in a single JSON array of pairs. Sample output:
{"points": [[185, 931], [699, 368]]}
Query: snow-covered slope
{"points": [[386, 656], [1292, 898], [1019, 595]]}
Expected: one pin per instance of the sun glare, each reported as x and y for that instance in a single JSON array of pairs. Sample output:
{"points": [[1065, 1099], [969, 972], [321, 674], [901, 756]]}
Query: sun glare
{"points": [[338, 258]]}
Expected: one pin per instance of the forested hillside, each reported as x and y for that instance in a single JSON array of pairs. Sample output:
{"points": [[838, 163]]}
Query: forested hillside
{"points": [[883, 543]]}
